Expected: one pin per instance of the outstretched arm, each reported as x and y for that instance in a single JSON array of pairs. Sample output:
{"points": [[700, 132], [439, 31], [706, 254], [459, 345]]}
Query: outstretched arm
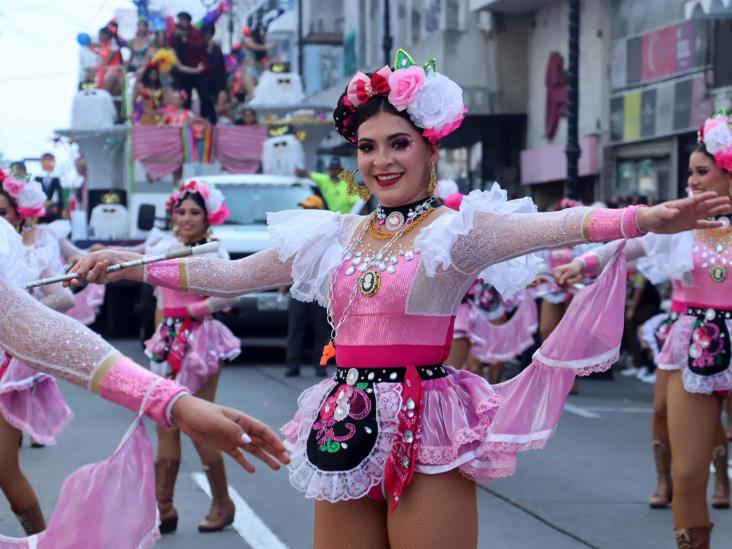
{"points": [[497, 237], [201, 275], [58, 345], [56, 296]]}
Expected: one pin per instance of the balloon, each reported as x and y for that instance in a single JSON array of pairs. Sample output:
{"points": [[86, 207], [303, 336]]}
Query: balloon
{"points": [[83, 39]]}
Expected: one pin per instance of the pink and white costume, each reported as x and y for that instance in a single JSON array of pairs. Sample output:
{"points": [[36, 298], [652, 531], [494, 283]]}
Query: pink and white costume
{"points": [[189, 344], [30, 400], [106, 504], [698, 263], [393, 408]]}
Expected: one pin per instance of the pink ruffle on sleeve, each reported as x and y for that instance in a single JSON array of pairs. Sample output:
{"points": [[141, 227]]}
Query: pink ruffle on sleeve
{"points": [[604, 224], [126, 383], [591, 264]]}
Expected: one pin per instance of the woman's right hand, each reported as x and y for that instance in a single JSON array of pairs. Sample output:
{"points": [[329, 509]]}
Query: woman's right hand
{"points": [[570, 273], [93, 268]]}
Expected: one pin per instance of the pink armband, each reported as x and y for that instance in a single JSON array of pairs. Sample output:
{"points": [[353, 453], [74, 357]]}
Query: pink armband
{"points": [[604, 225], [120, 380], [590, 264], [199, 309], [169, 274]]}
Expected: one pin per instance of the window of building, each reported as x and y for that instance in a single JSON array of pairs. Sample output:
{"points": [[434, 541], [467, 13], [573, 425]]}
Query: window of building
{"points": [[649, 177]]}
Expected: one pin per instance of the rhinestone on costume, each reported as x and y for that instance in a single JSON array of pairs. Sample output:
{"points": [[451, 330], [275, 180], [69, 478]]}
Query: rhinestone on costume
{"points": [[356, 260], [405, 461], [370, 377], [393, 376], [410, 413], [394, 221], [710, 314], [352, 376], [694, 351], [394, 260], [391, 269], [368, 430], [410, 404], [409, 256], [341, 411], [350, 271], [362, 267], [408, 437]]}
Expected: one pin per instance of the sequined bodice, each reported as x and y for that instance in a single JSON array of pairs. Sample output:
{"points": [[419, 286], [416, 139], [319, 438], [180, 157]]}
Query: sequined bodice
{"points": [[712, 283]]}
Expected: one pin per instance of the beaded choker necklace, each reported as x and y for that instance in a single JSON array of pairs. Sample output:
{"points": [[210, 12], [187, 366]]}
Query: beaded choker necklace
{"points": [[394, 219]]}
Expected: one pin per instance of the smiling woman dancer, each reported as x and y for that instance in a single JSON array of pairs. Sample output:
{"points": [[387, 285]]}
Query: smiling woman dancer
{"points": [[695, 358], [395, 432]]}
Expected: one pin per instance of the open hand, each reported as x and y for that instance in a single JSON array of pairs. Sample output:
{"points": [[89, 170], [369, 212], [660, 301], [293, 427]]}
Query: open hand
{"points": [[230, 431], [684, 214]]}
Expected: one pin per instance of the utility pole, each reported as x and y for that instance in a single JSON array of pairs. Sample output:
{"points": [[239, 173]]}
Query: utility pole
{"points": [[573, 151], [388, 41]]}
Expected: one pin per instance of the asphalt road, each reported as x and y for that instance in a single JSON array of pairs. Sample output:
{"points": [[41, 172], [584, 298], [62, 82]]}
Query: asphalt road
{"points": [[588, 488]]}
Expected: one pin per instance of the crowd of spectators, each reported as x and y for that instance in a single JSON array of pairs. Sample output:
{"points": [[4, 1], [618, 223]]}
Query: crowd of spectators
{"points": [[176, 65]]}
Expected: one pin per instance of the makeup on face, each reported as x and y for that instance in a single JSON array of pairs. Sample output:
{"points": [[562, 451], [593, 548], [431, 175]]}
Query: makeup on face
{"points": [[704, 175], [190, 219], [393, 159]]}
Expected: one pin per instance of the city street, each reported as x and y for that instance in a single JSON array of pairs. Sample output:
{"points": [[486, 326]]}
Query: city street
{"points": [[587, 489]]}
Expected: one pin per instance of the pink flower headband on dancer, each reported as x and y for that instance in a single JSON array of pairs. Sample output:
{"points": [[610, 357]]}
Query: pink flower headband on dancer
{"points": [[716, 135], [216, 210], [433, 102], [29, 198]]}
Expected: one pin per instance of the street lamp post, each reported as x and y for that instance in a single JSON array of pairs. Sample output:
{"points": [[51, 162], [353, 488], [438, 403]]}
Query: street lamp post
{"points": [[573, 150], [388, 41]]}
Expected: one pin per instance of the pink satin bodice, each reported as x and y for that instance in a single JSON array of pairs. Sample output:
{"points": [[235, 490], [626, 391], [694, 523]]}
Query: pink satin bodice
{"points": [[705, 292], [378, 331], [174, 299]]}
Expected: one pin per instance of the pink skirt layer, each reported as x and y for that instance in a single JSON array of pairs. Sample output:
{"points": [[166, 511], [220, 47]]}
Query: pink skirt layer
{"points": [[32, 402], [210, 343], [86, 303], [500, 342], [675, 356]]}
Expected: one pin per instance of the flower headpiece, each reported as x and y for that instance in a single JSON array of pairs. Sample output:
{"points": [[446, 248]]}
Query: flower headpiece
{"points": [[433, 101], [716, 135], [29, 197], [216, 210]]}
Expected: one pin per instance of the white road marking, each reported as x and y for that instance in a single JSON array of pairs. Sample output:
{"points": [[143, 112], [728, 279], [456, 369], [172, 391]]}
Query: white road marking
{"points": [[246, 522], [580, 411], [621, 409]]}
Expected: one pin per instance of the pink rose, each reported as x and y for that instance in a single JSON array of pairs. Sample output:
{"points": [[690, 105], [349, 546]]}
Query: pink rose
{"points": [[723, 159], [219, 216], [203, 190], [404, 85], [13, 186]]}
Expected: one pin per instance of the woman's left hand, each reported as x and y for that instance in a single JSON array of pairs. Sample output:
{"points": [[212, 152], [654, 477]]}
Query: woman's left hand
{"points": [[676, 216], [230, 431]]}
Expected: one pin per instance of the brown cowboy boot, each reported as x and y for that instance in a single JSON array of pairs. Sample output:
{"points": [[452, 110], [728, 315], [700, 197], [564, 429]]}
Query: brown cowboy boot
{"points": [[31, 519], [662, 498], [694, 538], [720, 500], [166, 471], [222, 509]]}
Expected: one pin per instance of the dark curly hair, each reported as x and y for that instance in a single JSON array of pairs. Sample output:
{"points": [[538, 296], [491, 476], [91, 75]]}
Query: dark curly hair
{"points": [[348, 118]]}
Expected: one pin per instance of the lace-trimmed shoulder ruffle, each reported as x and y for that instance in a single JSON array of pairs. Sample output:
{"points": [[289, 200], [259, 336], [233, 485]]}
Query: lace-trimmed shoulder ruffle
{"points": [[436, 241], [668, 256], [13, 265], [311, 239]]}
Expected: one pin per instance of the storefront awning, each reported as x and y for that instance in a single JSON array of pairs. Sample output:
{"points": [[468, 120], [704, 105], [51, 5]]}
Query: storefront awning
{"points": [[708, 9]]}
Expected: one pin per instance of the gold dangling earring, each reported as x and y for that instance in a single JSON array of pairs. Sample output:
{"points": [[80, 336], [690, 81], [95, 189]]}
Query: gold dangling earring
{"points": [[349, 176], [176, 231], [209, 233], [432, 185]]}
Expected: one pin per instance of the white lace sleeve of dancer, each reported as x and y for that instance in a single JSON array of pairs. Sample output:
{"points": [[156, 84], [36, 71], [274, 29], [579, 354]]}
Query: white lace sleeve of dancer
{"points": [[311, 239], [47, 340], [45, 253], [55, 296], [667, 256], [488, 235], [13, 265], [217, 304]]}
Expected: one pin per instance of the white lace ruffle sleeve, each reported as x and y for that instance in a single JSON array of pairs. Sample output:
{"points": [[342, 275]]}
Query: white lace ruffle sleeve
{"points": [[667, 256], [436, 241], [13, 266], [311, 239]]}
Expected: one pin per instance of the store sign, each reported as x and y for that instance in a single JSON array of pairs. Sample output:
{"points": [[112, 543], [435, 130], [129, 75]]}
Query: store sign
{"points": [[662, 109], [659, 54]]}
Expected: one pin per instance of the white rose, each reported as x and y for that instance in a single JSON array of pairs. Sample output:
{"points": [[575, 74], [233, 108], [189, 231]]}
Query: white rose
{"points": [[215, 199], [438, 102], [32, 195], [717, 136]]}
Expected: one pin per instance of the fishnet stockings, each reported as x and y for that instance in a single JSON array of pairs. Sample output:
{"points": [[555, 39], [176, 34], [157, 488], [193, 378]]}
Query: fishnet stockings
{"points": [[435, 512]]}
